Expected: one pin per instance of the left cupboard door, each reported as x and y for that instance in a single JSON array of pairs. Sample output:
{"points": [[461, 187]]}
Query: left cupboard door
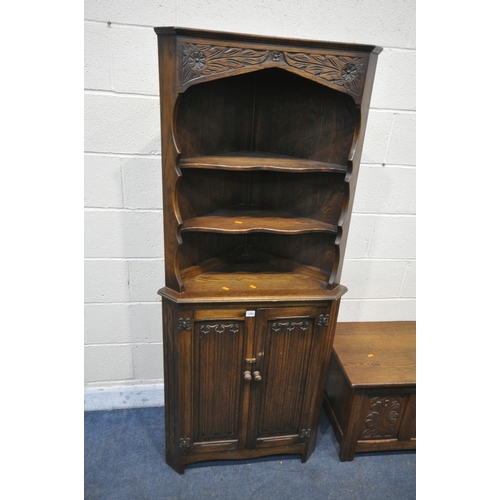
{"points": [[212, 364]]}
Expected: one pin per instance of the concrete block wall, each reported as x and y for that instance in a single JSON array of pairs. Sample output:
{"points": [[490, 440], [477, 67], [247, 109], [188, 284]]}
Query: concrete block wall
{"points": [[123, 229]]}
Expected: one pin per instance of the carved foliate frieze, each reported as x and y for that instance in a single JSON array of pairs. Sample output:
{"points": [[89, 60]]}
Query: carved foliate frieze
{"points": [[201, 60], [382, 418], [346, 72], [290, 326], [219, 328]]}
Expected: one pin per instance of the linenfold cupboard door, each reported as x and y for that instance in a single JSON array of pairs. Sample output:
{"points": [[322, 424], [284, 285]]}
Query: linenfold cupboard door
{"points": [[289, 345], [214, 380]]}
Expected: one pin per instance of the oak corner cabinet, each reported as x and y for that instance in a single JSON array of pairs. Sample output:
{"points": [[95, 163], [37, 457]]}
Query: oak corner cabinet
{"points": [[261, 142]]}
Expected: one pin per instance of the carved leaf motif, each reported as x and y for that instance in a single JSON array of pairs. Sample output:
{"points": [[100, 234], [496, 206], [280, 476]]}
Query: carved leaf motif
{"points": [[203, 60], [382, 418], [346, 72]]}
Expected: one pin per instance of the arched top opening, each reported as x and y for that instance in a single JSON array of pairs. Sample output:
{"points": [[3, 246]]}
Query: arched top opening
{"points": [[273, 111]]}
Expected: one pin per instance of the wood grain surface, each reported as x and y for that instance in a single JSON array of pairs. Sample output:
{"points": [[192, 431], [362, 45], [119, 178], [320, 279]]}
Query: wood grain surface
{"points": [[377, 353], [246, 219], [258, 160]]}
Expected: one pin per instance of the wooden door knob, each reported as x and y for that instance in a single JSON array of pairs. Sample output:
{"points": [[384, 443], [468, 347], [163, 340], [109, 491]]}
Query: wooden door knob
{"points": [[247, 376], [257, 376]]}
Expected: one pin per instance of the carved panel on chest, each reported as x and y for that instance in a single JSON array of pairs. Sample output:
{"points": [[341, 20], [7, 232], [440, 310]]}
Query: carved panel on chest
{"points": [[382, 417]]}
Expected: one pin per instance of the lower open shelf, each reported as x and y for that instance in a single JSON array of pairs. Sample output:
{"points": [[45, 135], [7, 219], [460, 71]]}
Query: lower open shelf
{"points": [[253, 279]]}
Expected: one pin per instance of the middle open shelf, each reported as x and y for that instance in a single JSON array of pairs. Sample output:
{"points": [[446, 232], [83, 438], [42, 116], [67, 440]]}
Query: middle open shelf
{"points": [[250, 218]]}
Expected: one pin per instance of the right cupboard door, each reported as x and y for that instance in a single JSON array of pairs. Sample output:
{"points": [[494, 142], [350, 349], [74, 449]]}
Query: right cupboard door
{"points": [[290, 344]]}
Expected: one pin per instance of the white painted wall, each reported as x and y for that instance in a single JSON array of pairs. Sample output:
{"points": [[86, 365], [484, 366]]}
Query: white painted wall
{"points": [[123, 230]]}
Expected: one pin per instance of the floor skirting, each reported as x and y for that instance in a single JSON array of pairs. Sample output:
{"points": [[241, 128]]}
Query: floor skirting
{"points": [[123, 396]]}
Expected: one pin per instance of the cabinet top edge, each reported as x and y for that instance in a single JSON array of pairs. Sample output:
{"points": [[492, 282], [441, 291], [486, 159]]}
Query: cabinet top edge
{"points": [[189, 298], [244, 37]]}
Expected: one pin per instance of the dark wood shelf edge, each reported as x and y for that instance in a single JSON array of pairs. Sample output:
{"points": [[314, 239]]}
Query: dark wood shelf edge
{"points": [[252, 161], [183, 298], [243, 220]]}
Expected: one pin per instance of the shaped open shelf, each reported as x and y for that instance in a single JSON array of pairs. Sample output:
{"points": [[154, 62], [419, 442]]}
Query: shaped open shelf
{"points": [[258, 160], [248, 219]]}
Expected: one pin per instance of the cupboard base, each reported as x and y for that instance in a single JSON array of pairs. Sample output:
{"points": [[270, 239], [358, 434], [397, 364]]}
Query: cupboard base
{"points": [[244, 382]]}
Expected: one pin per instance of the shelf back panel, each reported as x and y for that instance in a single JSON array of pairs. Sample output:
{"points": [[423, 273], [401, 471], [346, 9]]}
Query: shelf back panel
{"points": [[215, 117], [198, 247], [297, 117], [315, 250], [203, 191], [269, 110], [318, 195]]}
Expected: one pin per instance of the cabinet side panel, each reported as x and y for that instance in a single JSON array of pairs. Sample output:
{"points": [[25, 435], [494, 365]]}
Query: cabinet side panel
{"points": [[171, 385], [338, 391], [217, 379], [169, 155], [353, 171]]}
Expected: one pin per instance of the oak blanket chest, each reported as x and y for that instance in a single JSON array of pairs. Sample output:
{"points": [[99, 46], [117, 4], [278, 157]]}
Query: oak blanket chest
{"points": [[370, 394]]}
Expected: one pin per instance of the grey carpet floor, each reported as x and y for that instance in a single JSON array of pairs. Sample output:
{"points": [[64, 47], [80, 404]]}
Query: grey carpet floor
{"points": [[124, 460]]}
